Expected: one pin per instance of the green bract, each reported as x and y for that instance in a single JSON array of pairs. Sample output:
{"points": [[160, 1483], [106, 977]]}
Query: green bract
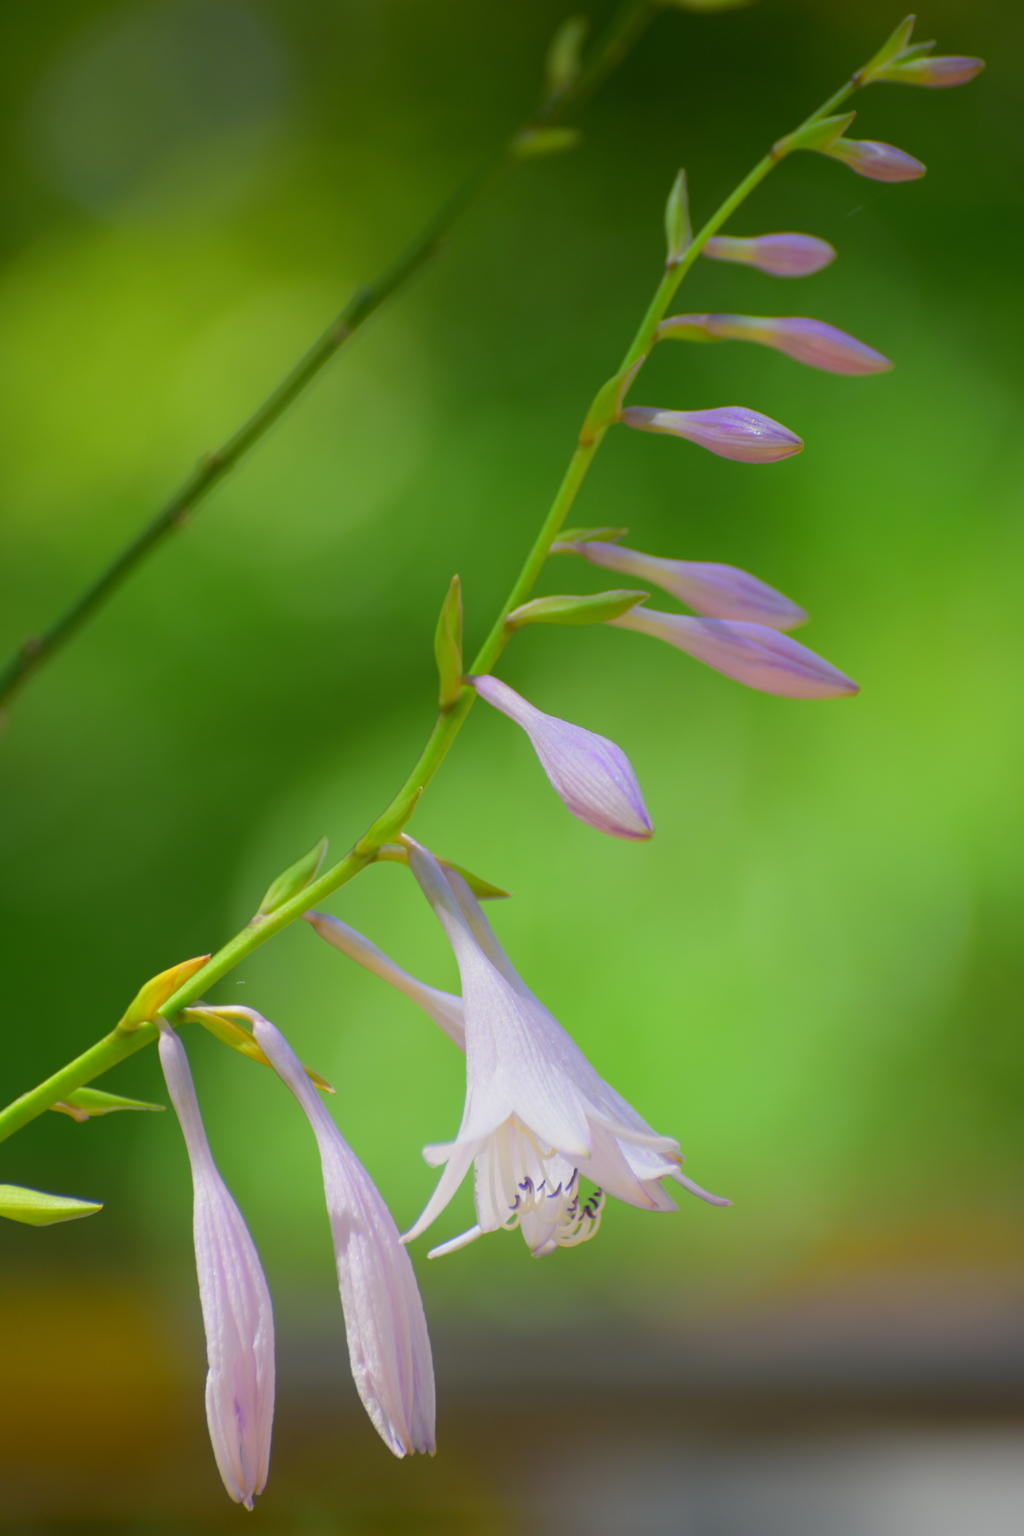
{"points": [[595, 609], [38, 1210], [294, 879], [87, 1103], [448, 645]]}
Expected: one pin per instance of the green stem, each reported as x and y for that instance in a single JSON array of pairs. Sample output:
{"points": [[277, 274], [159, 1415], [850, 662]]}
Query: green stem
{"points": [[624, 30], [120, 1044]]}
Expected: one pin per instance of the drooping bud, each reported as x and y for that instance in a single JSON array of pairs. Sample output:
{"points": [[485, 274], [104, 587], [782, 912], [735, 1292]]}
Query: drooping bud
{"points": [[731, 431], [717, 591], [564, 56], [592, 776], [595, 609], [749, 653], [878, 162], [293, 880], [784, 255], [818, 135], [678, 233], [150, 998], [86, 1103], [809, 341], [37, 1209], [448, 645], [533, 143]]}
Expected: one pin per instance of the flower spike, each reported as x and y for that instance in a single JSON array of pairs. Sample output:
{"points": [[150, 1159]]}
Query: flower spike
{"points": [[749, 653], [537, 1115], [388, 1343], [808, 341], [731, 431], [786, 255], [237, 1314], [719, 591], [592, 776]]}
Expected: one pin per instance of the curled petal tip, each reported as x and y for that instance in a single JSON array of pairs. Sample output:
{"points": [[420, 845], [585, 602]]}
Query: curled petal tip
{"points": [[730, 431]]}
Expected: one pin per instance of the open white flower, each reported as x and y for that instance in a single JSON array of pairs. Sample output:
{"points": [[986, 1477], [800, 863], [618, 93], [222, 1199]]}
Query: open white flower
{"points": [[237, 1314], [537, 1115]]}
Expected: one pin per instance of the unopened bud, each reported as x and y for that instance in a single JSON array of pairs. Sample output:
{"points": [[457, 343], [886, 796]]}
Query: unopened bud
{"points": [[87, 1103], [809, 341], [784, 255], [564, 56], [533, 143], [448, 645], [717, 591], [901, 64], [731, 431], [36, 1209], [878, 162], [678, 233], [596, 609], [150, 999], [293, 880]]}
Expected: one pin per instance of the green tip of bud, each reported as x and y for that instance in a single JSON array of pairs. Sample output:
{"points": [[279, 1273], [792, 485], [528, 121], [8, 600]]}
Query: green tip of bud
{"points": [[595, 609], [293, 880], [564, 57], [35, 1209], [87, 1103], [533, 143], [678, 234], [448, 645]]}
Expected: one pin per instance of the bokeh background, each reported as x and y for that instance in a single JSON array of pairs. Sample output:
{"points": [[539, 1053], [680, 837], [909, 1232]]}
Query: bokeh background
{"points": [[812, 975]]}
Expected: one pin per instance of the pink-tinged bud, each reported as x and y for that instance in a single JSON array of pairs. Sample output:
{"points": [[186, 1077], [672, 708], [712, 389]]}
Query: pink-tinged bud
{"points": [[878, 162], [937, 73], [731, 431], [809, 341], [749, 653], [719, 591], [592, 776], [785, 255], [237, 1314]]}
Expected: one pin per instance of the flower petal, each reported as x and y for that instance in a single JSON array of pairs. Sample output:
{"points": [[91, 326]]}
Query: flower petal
{"points": [[718, 591], [748, 653], [237, 1314], [592, 776], [730, 431]]}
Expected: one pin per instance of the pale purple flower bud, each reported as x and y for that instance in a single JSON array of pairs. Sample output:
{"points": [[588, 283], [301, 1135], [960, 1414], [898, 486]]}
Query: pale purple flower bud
{"points": [[593, 777], [809, 341], [731, 431], [945, 70], [237, 1314], [388, 1344], [719, 591], [749, 653], [878, 162], [786, 255]]}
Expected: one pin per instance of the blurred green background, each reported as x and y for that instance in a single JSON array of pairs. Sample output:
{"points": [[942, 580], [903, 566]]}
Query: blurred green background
{"points": [[813, 974]]}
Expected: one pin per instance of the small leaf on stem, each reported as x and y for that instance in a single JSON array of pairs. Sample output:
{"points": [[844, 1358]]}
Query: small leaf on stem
{"points": [[36, 1209], [606, 406], [294, 879], [448, 645], [483, 890], [678, 233], [532, 143], [150, 998], [223, 1028], [581, 536], [388, 825], [87, 1103], [820, 135], [564, 57], [595, 609]]}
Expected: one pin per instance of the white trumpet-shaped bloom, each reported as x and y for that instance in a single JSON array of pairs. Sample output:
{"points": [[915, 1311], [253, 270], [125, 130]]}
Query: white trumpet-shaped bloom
{"points": [[388, 1343], [237, 1314], [537, 1115]]}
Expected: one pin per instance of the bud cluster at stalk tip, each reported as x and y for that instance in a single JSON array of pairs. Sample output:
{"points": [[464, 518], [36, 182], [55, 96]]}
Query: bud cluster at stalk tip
{"points": [[899, 62]]}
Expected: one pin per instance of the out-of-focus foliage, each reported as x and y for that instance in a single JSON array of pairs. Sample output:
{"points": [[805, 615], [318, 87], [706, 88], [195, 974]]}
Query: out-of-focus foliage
{"points": [[813, 974]]}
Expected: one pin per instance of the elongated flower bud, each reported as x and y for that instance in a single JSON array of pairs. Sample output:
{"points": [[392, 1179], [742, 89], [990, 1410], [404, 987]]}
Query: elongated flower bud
{"points": [[749, 653], [945, 70], [785, 255], [809, 341], [731, 431], [593, 777], [719, 591], [388, 1344], [237, 1314], [878, 162]]}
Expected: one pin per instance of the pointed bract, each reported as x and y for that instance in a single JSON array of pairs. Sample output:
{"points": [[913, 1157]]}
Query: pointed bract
{"points": [[878, 162], [783, 255], [592, 776], [749, 653], [537, 1115], [718, 591], [388, 1344], [731, 431], [809, 341], [35, 1208], [237, 1314]]}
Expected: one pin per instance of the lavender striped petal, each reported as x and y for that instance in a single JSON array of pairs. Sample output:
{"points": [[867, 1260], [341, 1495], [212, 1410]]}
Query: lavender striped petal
{"points": [[237, 1314], [785, 255], [749, 653], [878, 162], [809, 341], [593, 777], [731, 431], [719, 591]]}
